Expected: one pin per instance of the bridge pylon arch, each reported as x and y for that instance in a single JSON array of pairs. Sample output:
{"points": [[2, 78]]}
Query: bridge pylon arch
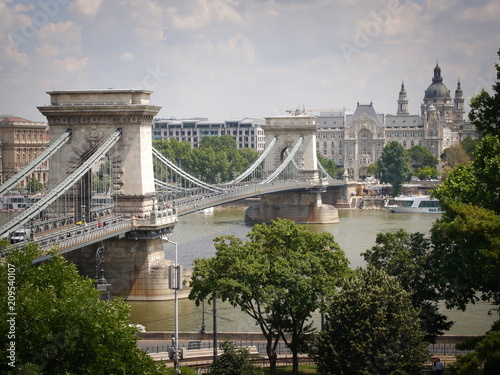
{"points": [[301, 206], [287, 130]]}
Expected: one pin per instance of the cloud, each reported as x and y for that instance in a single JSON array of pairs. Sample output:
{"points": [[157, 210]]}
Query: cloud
{"points": [[203, 13], [88, 8], [71, 63], [481, 12], [127, 56]]}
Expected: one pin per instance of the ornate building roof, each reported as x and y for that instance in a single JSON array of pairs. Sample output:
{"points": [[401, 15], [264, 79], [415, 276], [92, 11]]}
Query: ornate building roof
{"points": [[437, 89]]}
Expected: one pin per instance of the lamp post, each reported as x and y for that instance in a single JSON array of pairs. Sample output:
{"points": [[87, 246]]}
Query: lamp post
{"points": [[175, 281], [101, 283]]}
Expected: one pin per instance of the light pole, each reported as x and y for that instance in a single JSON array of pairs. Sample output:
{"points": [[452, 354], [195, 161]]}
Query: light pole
{"points": [[101, 283], [175, 281]]}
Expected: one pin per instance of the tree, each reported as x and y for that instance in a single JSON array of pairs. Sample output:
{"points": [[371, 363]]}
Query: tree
{"points": [[373, 170], [61, 326], [467, 237], [395, 167], [469, 145], [454, 156], [485, 356], [408, 257], [467, 244], [371, 328], [328, 164], [234, 361], [34, 186], [485, 108], [425, 173], [421, 157], [278, 277]]}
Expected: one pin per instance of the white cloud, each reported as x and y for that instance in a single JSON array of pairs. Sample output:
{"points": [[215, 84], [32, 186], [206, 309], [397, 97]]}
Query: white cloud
{"points": [[88, 8], [127, 56], [203, 13], [71, 63]]}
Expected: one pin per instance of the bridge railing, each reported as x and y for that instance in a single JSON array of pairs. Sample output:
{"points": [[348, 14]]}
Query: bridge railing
{"points": [[85, 234]]}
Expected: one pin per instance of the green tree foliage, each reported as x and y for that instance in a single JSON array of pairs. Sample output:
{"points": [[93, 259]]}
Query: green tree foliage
{"points": [[485, 108], [467, 243], [328, 164], [216, 160], [467, 237], [408, 257], [394, 165], [34, 186], [469, 145], [421, 157], [61, 325], [234, 361], [454, 156], [278, 277], [101, 180], [371, 328], [425, 173], [373, 170], [485, 359]]}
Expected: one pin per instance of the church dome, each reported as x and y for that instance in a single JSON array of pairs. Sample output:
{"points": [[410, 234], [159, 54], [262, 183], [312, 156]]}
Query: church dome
{"points": [[437, 89]]}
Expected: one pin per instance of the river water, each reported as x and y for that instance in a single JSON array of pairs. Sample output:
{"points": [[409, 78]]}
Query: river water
{"points": [[355, 233]]}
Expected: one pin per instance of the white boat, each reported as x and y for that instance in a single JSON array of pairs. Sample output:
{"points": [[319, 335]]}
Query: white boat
{"points": [[12, 203], [418, 204]]}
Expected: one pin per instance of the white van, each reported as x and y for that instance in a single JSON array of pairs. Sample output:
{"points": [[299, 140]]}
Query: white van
{"points": [[20, 235]]}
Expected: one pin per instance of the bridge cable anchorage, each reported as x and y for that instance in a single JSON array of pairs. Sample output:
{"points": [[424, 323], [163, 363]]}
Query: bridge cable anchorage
{"points": [[63, 186], [285, 162], [54, 146], [256, 163], [183, 173]]}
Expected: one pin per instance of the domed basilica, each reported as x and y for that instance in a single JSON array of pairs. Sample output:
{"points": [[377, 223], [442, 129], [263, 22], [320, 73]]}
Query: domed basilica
{"points": [[355, 140]]}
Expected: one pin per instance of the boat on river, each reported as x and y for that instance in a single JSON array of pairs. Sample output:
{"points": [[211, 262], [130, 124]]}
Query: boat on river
{"points": [[12, 203], [423, 204]]}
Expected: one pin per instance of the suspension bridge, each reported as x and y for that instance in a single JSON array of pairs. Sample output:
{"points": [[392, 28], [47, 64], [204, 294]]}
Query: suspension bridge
{"points": [[109, 188]]}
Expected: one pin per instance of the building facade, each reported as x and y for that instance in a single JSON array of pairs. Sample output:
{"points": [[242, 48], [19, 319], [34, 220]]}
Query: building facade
{"points": [[355, 140], [247, 132], [21, 141]]}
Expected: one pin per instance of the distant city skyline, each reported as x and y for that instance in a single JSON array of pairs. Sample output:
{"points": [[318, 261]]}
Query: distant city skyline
{"points": [[225, 59]]}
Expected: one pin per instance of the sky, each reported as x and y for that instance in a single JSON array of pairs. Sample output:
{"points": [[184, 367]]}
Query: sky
{"points": [[227, 59]]}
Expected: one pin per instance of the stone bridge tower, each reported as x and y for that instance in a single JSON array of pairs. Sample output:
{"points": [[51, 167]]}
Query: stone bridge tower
{"points": [[300, 206], [287, 131], [134, 264]]}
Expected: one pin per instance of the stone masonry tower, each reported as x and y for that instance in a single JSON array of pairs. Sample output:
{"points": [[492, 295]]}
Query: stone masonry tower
{"points": [[92, 115], [134, 263], [299, 206]]}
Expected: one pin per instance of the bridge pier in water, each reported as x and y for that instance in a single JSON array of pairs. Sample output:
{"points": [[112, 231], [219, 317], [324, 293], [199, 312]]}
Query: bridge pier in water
{"points": [[303, 207], [135, 270]]}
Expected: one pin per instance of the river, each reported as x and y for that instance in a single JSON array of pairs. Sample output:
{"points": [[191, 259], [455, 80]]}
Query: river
{"points": [[355, 233]]}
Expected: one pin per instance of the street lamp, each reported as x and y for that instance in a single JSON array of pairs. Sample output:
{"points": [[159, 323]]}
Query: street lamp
{"points": [[101, 283], [175, 284]]}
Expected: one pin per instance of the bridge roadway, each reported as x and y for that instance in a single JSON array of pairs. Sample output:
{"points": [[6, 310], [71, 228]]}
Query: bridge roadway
{"points": [[68, 238]]}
